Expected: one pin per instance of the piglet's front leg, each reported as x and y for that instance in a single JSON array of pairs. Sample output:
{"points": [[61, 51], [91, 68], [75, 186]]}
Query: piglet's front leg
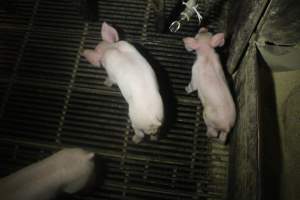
{"points": [[189, 88], [108, 82], [192, 86]]}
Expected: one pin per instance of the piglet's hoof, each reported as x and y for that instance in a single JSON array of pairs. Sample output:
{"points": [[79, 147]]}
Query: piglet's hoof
{"points": [[221, 138], [108, 82], [188, 89], [153, 137], [136, 139]]}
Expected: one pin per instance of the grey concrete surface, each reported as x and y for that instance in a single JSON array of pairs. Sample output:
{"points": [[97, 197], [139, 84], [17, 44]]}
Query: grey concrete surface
{"points": [[287, 92]]}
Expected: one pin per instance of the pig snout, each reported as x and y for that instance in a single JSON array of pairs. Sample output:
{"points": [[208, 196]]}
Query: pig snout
{"points": [[77, 170], [68, 170]]}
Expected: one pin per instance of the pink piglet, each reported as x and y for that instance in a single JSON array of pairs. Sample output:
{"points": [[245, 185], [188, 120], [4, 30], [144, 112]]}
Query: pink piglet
{"points": [[209, 80], [128, 69]]}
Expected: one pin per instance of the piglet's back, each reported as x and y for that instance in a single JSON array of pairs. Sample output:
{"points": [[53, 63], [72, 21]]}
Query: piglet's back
{"points": [[133, 73]]}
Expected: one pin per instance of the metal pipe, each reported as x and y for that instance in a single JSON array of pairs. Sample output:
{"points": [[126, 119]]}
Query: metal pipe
{"points": [[186, 15]]}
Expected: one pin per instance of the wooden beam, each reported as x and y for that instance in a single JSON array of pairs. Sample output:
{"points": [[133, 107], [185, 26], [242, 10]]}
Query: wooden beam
{"points": [[245, 17], [244, 158]]}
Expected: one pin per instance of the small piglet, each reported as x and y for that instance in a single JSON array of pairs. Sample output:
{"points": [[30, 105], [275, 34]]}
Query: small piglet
{"points": [[209, 80], [68, 170], [127, 68]]}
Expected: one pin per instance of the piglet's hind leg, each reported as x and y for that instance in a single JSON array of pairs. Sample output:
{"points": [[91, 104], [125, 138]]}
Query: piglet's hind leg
{"points": [[138, 136], [222, 137], [211, 132]]}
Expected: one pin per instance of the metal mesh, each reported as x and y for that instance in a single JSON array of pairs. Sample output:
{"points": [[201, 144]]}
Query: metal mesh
{"points": [[51, 97]]}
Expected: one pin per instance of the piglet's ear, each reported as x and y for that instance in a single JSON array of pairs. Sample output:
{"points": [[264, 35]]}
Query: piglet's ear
{"points": [[190, 43], [217, 40], [92, 56], [109, 34]]}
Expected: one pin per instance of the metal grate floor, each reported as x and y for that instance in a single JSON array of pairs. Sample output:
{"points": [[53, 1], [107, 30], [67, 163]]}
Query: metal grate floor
{"points": [[51, 98]]}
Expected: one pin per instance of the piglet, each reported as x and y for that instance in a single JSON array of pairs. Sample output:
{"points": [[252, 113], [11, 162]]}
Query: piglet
{"points": [[209, 80], [68, 170], [127, 68]]}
